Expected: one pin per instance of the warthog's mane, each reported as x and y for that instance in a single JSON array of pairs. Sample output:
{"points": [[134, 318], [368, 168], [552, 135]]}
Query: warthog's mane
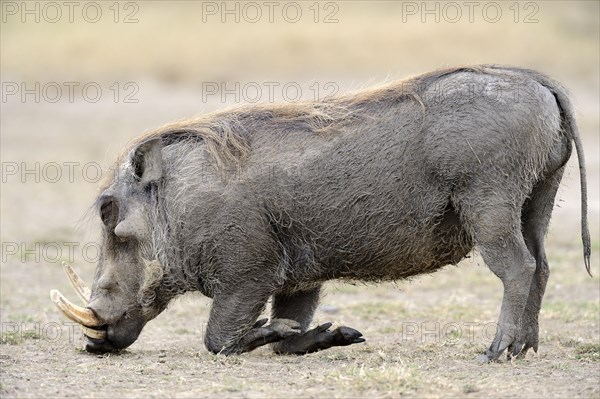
{"points": [[226, 133]]}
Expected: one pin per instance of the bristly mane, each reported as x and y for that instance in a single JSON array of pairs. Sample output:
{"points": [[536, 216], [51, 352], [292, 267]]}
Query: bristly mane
{"points": [[225, 133]]}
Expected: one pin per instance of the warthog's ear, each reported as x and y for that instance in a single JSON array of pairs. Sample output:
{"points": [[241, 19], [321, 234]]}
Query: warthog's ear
{"points": [[146, 161]]}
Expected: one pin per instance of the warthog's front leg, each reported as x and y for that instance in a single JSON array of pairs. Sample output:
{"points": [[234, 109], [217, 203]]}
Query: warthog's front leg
{"points": [[232, 328], [300, 306], [262, 334], [319, 338]]}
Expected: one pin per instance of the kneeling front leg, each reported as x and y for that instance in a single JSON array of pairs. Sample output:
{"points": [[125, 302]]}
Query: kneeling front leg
{"points": [[232, 328], [300, 306]]}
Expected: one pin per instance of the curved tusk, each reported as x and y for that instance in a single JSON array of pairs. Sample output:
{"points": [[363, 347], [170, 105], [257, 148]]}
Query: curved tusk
{"points": [[90, 332], [76, 313], [82, 290]]}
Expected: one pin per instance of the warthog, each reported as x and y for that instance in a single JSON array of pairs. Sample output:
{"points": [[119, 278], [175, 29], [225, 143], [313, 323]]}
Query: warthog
{"points": [[271, 201]]}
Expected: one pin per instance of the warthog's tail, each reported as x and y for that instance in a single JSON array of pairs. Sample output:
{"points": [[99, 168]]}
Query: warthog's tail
{"points": [[570, 128]]}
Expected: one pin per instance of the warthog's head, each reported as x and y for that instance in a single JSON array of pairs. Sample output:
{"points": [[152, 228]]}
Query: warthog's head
{"points": [[123, 296]]}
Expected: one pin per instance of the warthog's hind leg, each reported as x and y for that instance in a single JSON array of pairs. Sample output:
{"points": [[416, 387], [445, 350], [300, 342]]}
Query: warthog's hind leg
{"points": [[301, 306], [535, 218], [502, 245]]}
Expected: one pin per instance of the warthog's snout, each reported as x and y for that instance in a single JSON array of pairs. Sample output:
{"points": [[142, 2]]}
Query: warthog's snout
{"points": [[101, 337], [91, 325]]}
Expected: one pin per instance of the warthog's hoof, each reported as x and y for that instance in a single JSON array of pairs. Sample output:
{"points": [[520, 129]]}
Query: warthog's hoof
{"points": [[319, 338]]}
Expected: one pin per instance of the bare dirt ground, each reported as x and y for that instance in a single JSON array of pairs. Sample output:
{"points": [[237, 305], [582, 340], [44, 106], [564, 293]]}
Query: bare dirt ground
{"points": [[422, 336]]}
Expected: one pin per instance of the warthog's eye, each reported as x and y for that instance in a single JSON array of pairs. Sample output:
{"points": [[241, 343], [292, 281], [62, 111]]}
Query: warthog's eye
{"points": [[109, 212]]}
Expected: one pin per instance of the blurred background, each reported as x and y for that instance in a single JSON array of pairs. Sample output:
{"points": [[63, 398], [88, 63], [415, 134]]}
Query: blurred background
{"points": [[81, 79]]}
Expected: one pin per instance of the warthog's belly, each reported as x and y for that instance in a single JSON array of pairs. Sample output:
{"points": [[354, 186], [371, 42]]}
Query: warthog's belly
{"points": [[403, 252]]}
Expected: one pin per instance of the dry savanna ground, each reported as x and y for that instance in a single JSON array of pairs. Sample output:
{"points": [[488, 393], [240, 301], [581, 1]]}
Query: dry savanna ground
{"points": [[422, 336]]}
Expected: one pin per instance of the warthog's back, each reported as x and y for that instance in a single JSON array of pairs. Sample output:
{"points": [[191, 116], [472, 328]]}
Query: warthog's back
{"points": [[371, 198]]}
